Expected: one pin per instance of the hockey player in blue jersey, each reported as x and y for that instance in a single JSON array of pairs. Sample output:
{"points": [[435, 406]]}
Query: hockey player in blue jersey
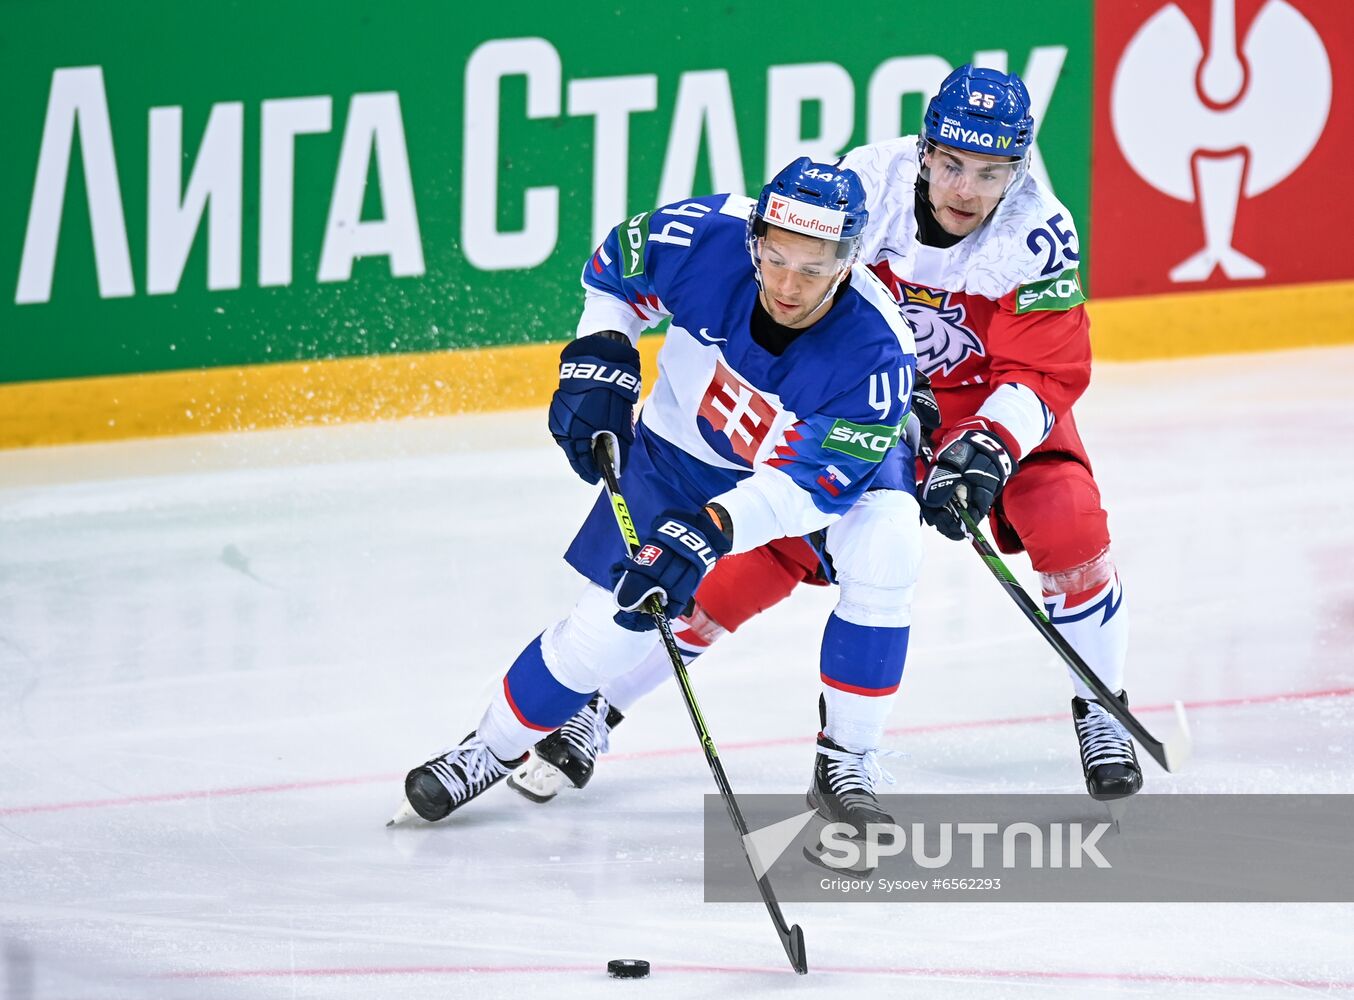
{"points": [[982, 259], [782, 392]]}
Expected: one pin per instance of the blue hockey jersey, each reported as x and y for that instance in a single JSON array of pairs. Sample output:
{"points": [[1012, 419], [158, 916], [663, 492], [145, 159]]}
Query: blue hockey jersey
{"points": [[786, 444]]}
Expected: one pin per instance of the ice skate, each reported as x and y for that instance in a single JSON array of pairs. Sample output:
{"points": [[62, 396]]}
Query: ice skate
{"points": [[568, 754], [843, 791], [451, 779], [843, 787], [1108, 759]]}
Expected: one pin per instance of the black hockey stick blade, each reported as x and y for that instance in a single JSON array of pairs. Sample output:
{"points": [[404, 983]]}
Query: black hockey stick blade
{"points": [[791, 937], [794, 947]]}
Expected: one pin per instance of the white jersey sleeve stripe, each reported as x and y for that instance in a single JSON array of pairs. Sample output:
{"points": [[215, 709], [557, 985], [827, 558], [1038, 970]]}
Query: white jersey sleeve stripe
{"points": [[769, 505], [1020, 411], [602, 311]]}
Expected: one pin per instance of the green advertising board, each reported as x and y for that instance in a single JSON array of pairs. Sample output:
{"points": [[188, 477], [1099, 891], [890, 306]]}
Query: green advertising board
{"points": [[197, 185]]}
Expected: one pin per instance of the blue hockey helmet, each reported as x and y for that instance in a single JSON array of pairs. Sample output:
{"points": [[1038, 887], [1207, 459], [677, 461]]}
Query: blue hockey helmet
{"points": [[983, 111], [814, 199]]}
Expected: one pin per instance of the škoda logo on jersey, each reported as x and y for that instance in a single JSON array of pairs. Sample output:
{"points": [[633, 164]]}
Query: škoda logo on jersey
{"points": [[633, 236], [868, 442], [1054, 295], [808, 219]]}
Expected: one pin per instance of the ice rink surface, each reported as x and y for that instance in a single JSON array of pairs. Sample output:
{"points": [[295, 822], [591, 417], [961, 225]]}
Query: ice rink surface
{"points": [[219, 655]]}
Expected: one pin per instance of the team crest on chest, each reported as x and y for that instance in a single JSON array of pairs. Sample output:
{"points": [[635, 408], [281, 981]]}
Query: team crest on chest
{"points": [[943, 341], [734, 418]]}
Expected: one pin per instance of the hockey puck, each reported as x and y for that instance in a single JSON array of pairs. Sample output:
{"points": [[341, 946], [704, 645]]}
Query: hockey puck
{"points": [[627, 968]]}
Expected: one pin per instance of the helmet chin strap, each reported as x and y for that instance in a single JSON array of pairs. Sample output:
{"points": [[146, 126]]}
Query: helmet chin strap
{"points": [[832, 288], [924, 186]]}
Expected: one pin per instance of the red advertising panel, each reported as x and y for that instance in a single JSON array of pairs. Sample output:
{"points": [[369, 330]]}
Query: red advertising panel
{"points": [[1222, 144]]}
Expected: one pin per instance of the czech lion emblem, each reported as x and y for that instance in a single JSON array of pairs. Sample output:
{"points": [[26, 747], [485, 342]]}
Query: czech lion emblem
{"points": [[943, 341]]}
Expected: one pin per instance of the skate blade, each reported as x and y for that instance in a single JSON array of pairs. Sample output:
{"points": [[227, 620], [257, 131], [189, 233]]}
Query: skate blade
{"points": [[536, 780], [1117, 808], [815, 854], [402, 814], [1179, 745]]}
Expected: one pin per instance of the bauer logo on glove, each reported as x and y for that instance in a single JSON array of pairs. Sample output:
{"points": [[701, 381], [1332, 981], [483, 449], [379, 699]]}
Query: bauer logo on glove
{"points": [[599, 384], [588, 371], [670, 572], [693, 540]]}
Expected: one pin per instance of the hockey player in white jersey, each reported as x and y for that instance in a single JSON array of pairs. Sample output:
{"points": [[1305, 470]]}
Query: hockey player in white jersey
{"points": [[782, 392], [983, 261]]}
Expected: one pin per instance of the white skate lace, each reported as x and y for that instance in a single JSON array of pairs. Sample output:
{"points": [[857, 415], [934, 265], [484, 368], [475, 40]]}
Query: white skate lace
{"points": [[1103, 739], [587, 731], [465, 770], [854, 775]]}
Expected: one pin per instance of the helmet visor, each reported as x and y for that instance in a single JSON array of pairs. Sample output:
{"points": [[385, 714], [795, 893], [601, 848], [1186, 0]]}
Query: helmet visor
{"points": [[969, 175], [809, 257]]}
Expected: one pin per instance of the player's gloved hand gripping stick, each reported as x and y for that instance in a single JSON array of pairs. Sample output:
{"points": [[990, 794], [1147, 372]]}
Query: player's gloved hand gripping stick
{"points": [[1173, 753], [672, 562], [791, 938], [599, 380]]}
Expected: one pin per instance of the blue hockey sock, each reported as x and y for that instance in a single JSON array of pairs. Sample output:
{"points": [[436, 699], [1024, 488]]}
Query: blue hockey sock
{"points": [[530, 703], [861, 666]]}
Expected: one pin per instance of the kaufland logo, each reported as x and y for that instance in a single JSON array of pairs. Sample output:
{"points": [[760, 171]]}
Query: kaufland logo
{"points": [[808, 219]]}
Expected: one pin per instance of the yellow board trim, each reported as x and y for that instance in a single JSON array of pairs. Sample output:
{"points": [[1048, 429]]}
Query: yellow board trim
{"points": [[441, 383], [290, 394], [1234, 321]]}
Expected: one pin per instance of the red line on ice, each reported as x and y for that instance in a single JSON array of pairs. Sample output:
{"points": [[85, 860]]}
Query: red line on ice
{"points": [[1020, 720], [935, 727], [920, 972], [206, 793]]}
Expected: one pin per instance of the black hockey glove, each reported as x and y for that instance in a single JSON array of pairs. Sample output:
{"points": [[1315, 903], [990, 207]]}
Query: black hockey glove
{"points": [[924, 405], [672, 560], [925, 416], [971, 467], [598, 389]]}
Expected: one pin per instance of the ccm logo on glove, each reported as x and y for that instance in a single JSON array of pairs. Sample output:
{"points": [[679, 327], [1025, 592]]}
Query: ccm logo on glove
{"points": [[970, 469], [998, 451]]}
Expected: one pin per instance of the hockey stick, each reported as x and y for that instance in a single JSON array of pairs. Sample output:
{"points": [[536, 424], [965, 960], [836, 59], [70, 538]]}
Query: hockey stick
{"points": [[791, 937], [1172, 754]]}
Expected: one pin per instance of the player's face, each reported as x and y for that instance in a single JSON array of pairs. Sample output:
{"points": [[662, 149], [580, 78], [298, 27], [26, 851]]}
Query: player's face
{"points": [[797, 273], [965, 187]]}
